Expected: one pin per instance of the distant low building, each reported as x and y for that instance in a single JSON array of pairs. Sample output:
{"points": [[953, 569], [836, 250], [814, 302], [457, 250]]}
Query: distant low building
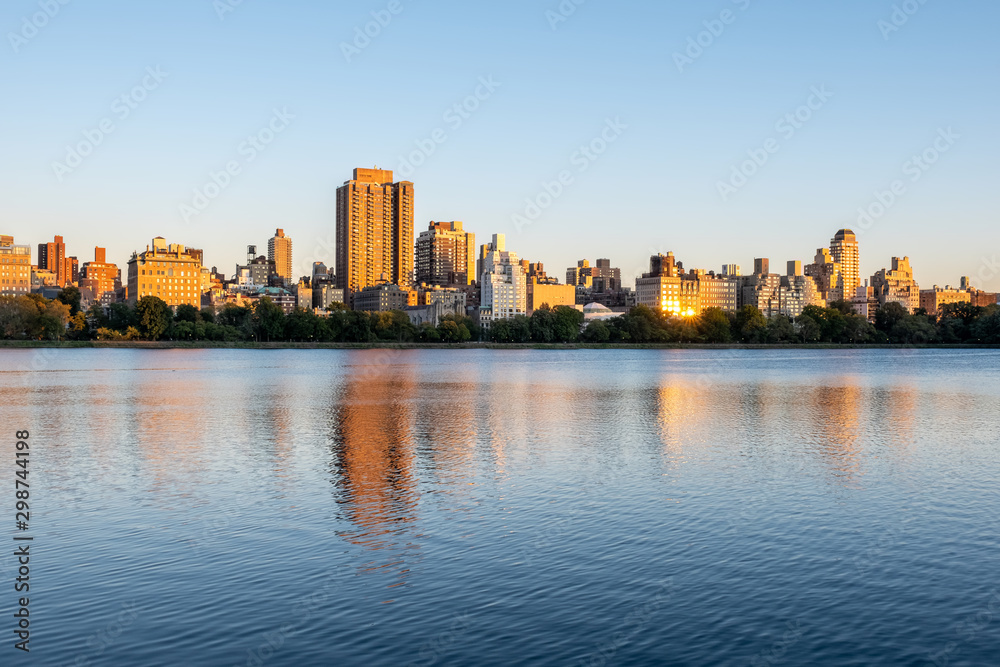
{"points": [[933, 300], [381, 298]]}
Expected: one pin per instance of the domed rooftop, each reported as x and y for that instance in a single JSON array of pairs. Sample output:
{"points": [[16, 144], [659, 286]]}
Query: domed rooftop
{"points": [[596, 308], [844, 234]]}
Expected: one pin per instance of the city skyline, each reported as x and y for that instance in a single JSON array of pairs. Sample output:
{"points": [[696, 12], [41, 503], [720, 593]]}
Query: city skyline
{"points": [[803, 116]]}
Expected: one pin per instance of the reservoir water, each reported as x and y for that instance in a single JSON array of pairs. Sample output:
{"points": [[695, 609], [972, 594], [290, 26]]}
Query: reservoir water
{"points": [[485, 507]]}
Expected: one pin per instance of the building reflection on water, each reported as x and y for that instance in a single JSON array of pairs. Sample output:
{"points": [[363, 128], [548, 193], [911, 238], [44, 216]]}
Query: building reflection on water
{"points": [[375, 483], [842, 424]]}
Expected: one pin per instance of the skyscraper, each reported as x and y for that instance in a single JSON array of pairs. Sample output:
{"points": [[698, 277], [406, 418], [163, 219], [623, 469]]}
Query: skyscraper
{"points": [[446, 255], [504, 284], [52, 257], [279, 251], [101, 277], [374, 231], [844, 248]]}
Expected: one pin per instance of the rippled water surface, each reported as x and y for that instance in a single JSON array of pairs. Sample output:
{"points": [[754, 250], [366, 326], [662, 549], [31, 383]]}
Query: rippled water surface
{"points": [[492, 507]]}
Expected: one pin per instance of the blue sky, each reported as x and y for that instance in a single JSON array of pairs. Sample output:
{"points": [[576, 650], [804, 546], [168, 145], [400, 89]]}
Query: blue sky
{"points": [[609, 68]]}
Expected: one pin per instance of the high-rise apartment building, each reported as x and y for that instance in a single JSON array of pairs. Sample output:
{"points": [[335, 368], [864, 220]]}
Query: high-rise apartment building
{"points": [[827, 274], [279, 251], [503, 285], [896, 285], [52, 257], [170, 272], [446, 255], [15, 268], [797, 291], [375, 235], [762, 289], [845, 252], [717, 291], [601, 277], [99, 276]]}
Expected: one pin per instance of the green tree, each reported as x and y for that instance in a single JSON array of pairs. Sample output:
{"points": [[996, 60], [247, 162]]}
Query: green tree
{"points": [[121, 317], [70, 296], [596, 332], [889, 315], [520, 329], [987, 327], [543, 325], [268, 320], [186, 313], [714, 326], [154, 317], [809, 329], [751, 325], [96, 317], [448, 332], [779, 330], [567, 324]]}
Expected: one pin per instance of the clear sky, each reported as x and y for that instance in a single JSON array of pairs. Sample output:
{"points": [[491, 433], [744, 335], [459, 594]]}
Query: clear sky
{"points": [[679, 125]]}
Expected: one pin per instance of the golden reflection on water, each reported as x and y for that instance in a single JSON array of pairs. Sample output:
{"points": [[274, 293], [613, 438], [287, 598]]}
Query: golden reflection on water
{"points": [[836, 426], [373, 460], [841, 423]]}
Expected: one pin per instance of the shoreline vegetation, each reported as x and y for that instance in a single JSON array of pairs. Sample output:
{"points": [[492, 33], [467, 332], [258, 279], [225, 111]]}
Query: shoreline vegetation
{"points": [[33, 321]]}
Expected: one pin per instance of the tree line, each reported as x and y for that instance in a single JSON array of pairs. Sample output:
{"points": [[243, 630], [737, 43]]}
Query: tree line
{"points": [[33, 317]]}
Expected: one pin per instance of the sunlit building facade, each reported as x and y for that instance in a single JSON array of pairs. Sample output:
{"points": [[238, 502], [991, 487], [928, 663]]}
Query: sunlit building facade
{"points": [[503, 284], [375, 234], [171, 272], [896, 285], [15, 268]]}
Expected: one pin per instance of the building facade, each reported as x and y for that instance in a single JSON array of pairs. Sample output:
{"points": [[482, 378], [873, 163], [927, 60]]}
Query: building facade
{"points": [[660, 289], [845, 251], [826, 273], [279, 253], [170, 272], [896, 285], [375, 234], [100, 277], [446, 255], [52, 257], [381, 298], [503, 284], [15, 268]]}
